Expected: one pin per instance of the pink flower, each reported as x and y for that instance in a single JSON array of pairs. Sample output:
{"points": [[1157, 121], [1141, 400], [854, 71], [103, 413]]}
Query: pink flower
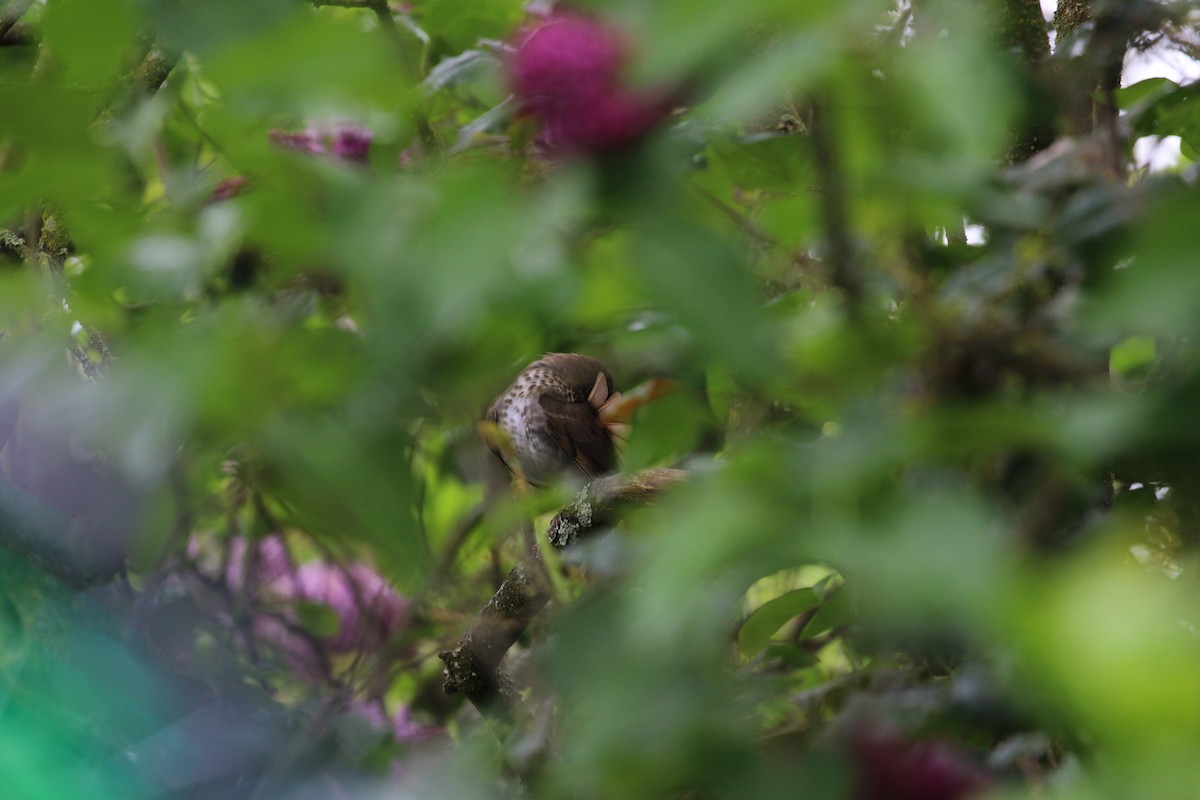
{"points": [[567, 72], [400, 725], [230, 188], [608, 123], [567, 62], [346, 142], [368, 609], [351, 143], [262, 563]]}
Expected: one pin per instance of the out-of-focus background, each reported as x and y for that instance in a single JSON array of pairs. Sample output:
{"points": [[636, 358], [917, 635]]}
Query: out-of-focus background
{"points": [[924, 275]]}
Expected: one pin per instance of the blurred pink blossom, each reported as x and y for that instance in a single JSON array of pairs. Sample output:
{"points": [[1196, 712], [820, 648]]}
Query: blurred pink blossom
{"points": [[368, 610], [263, 564], [343, 141], [230, 188], [400, 725], [567, 72], [567, 61]]}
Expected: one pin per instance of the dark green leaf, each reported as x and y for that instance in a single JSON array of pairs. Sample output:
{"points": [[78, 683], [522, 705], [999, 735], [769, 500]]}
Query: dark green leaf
{"points": [[768, 618]]}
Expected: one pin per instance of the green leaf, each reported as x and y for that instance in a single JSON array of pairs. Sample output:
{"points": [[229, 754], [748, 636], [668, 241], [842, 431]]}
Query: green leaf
{"points": [[791, 655], [1130, 96], [1134, 357], [1165, 109], [665, 431], [318, 619], [91, 41], [312, 66], [61, 158], [691, 271], [461, 25], [836, 610], [721, 389], [206, 27], [760, 626], [772, 162]]}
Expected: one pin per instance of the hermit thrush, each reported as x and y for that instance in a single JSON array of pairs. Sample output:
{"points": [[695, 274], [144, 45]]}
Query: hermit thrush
{"points": [[551, 422]]}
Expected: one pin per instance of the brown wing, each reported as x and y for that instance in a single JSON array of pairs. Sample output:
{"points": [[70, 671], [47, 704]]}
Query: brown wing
{"points": [[577, 429]]}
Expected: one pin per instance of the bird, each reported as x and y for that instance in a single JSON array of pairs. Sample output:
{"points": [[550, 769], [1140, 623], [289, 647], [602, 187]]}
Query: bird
{"points": [[551, 422]]}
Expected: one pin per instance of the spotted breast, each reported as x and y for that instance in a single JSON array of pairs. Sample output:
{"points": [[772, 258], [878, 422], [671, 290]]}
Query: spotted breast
{"points": [[551, 418]]}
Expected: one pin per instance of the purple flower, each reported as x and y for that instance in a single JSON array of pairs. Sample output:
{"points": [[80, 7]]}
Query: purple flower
{"points": [[368, 609], [307, 141], [230, 188], [351, 143], [346, 142], [265, 562], [400, 725], [566, 62], [567, 72]]}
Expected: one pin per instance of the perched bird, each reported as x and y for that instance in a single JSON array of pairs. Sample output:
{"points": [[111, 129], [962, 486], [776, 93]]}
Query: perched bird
{"points": [[551, 421]]}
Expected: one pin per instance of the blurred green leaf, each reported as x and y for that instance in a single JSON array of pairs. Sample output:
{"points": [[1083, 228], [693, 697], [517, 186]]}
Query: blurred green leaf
{"points": [[665, 431], [60, 158], [773, 162], [318, 619], [314, 65], [1134, 357], [91, 42], [1161, 107], [462, 25], [208, 27], [836, 610], [690, 271], [1112, 644]]}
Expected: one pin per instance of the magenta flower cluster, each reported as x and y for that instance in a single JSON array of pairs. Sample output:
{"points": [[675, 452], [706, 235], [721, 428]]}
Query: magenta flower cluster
{"points": [[567, 72]]}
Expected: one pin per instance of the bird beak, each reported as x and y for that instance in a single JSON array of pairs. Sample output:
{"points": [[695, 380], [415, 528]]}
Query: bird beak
{"points": [[600, 393]]}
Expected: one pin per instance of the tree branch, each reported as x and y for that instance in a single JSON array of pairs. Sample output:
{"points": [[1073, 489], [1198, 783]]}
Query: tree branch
{"points": [[12, 14], [152, 73], [605, 499], [472, 667], [1021, 30], [833, 206]]}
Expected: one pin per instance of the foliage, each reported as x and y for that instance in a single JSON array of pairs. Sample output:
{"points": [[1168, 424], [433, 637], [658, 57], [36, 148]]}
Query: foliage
{"points": [[264, 263]]}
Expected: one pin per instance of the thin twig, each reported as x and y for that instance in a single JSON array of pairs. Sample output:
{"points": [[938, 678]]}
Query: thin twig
{"points": [[86, 364], [459, 536], [98, 344], [738, 218], [205, 135], [152, 73]]}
